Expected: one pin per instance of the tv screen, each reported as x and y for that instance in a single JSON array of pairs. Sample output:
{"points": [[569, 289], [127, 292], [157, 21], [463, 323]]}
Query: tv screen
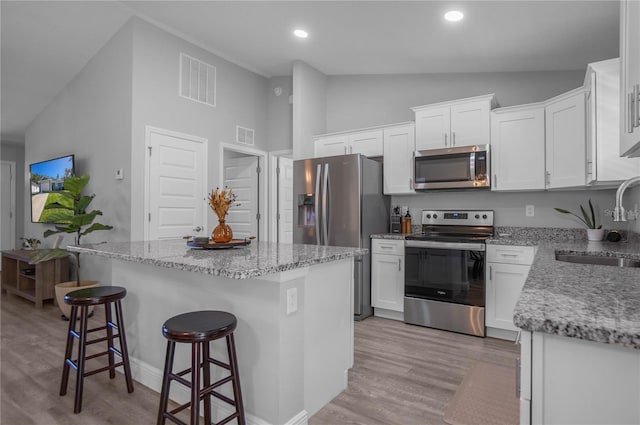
{"points": [[47, 178]]}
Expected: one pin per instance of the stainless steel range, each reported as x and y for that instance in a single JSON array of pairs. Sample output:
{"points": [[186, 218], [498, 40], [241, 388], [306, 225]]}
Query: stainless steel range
{"points": [[444, 271]]}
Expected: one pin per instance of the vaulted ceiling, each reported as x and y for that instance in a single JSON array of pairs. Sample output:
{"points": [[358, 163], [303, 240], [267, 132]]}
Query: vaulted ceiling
{"points": [[45, 44]]}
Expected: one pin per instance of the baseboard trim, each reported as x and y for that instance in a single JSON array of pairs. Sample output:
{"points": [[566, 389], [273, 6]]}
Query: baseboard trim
{"points": [[388, 314], [151, 377], [505, 334]]}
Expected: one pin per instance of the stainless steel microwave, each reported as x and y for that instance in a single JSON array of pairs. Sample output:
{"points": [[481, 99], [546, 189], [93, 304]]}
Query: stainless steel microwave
{"points": [[452, 168]]}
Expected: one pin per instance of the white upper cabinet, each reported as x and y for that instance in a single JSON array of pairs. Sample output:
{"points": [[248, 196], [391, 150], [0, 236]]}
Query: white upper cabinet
{"points": [[566, 140], [368, 143], [461, 122], [517, 148], [630, 78], [433, 128], [399, 146], [605, 167], [330, 146]]}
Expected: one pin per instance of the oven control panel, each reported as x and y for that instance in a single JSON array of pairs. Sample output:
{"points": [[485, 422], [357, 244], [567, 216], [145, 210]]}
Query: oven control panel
{"points": [[458, 217]]}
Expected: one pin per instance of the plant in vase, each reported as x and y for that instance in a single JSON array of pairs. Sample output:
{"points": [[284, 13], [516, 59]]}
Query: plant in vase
{"points": [[68, 210], [595, 232], [220, 201]]}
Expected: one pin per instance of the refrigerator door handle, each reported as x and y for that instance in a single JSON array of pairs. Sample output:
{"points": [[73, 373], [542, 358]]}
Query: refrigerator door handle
{"points": [[325, 201], [315, 203]]}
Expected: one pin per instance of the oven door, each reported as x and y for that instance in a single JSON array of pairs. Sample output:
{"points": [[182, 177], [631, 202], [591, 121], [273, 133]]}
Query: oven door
{"points": [[445, 271]]}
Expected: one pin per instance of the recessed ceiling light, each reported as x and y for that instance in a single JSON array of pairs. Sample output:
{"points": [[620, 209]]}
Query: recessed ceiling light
{"points": [[453, 16], [301, 33]]}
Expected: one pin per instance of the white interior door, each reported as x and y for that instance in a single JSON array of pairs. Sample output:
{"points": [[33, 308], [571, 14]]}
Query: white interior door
{"points": [[241, 175], [285, 200], [177, 168], [7, 205]]}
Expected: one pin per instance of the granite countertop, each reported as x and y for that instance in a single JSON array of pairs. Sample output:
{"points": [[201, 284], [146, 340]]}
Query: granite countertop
{"points": [[257, 259], [591, 302], [396, 236]]}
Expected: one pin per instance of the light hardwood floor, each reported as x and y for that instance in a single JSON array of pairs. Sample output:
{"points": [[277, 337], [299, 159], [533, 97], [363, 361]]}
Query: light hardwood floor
{"points": [[402, 374]]}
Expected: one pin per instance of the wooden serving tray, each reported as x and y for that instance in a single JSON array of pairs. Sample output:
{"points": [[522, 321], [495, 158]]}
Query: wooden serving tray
{"points": [[212, 245]]}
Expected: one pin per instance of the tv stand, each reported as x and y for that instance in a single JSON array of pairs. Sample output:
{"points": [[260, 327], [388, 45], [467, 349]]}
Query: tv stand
{"points": [[34, 282]]}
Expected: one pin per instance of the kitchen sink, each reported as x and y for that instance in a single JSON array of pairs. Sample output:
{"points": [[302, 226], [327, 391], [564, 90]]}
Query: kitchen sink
{"points": [[598, 260]]}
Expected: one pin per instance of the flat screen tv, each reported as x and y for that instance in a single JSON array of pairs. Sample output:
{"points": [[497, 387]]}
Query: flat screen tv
{"points": [[47, 178]]}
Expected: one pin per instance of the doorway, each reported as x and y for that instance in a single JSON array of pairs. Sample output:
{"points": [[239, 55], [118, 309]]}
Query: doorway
{"points": [[8, 205], [241, 170], [176, 169]]}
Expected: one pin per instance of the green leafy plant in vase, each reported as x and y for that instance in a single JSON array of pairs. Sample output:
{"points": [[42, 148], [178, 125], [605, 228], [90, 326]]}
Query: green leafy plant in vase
{"points": [[68, 209], [595, 232]]}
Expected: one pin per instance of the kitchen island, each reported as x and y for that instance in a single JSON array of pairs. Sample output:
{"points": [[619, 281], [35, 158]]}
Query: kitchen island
{"points": [[294, 305], [580, 357]]}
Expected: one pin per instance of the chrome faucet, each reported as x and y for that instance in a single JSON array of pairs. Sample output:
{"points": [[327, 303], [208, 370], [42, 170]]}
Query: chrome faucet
{"points": [[619, 213]]}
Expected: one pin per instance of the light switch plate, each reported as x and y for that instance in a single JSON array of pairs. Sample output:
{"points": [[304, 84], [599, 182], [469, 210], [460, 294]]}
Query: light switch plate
{"points": [[119, 174]]}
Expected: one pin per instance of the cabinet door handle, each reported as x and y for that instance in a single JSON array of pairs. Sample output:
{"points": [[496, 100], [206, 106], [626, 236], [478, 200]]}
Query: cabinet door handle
{"points": [[350, 149], [445, 140], [636, 97], [548, 178], [410, 183], [629, 111], [345, 149], [453, 138], [495, 181], [399, 264], [490, 272]]}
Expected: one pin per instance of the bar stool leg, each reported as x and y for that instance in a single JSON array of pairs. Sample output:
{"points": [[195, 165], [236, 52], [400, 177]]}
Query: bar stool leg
{"points": [[81, 355], [123, 346], [68, 350], [195, 383], [109, 324], [237, 394], [206, 372], [164, 392]]}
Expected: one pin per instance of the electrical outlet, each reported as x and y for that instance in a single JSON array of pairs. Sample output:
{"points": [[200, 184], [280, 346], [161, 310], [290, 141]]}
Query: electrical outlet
{"points": [[119, 174], [530, 211], [292, 300]]}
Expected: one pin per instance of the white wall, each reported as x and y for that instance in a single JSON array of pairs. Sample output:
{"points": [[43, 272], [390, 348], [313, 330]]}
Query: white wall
{"points": [[309, 108], [15, 152], [241, 100], [279, 114], [368, 100], [510, 207], [91, 118]]}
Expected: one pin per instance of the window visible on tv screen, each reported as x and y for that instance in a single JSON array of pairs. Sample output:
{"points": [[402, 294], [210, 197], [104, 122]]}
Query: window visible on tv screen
{"points": [[47, 178]]}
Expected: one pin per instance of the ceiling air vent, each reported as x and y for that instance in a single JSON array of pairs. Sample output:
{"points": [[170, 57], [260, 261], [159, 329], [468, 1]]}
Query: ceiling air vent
{"points": [[244, 135], [197, 80]]}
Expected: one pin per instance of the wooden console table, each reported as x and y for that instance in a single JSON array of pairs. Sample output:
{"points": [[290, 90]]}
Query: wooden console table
{"points": [[34, 282]]}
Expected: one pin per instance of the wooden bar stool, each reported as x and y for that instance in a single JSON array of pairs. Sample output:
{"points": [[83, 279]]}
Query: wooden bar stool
{"points": [[199, 328], [80, 301]]}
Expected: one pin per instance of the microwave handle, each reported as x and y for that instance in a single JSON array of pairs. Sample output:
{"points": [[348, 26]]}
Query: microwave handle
{"points": [[472, 166]]}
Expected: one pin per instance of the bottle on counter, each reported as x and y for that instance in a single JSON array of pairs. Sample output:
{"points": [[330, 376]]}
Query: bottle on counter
{"points": [[406, 223]]}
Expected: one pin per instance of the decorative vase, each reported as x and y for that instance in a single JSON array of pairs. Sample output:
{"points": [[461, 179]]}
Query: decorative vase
{"points": [[63, 288], [595, 234], [222, 233]]}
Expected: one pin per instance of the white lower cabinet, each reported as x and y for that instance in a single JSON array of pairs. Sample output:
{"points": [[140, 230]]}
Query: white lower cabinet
{"points": [[387, 278], [571, 381], [506, 271]]}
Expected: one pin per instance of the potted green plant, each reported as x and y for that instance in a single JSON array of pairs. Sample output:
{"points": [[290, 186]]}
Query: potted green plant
{"points": [[69, 210], [595, 232]]}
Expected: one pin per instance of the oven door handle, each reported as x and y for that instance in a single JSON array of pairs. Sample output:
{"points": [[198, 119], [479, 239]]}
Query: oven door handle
{"points": [[460, 246]]}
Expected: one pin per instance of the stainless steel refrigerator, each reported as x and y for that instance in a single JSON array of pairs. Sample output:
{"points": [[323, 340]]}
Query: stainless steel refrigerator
{"points": [[338, 201]]}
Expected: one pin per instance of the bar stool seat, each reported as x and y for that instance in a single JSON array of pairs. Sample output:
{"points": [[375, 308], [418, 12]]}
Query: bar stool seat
{"points": [[80, 301], [199, 328]]}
